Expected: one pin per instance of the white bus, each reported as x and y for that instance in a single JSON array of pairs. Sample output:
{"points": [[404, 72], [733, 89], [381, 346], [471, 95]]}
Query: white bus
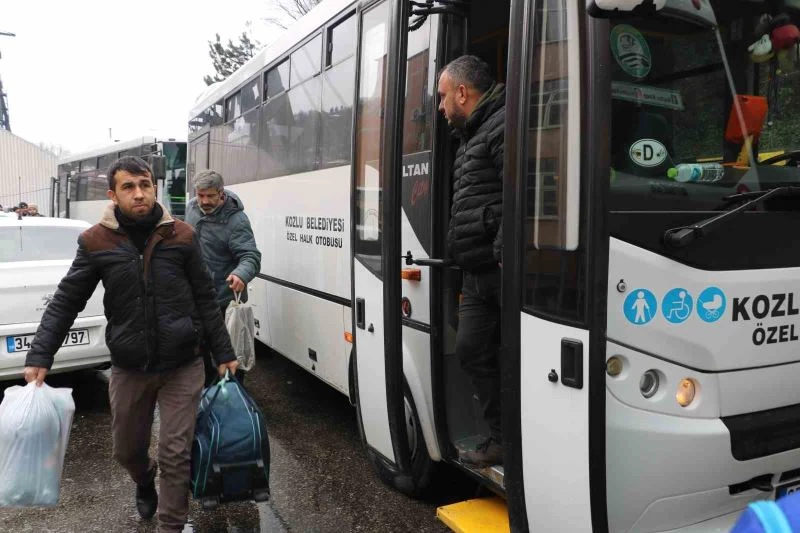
{"points": [[650, 360], [79, 191]]}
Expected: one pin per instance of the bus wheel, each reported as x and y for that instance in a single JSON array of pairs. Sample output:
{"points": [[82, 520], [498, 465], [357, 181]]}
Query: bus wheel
{"points": [[422, 466]]}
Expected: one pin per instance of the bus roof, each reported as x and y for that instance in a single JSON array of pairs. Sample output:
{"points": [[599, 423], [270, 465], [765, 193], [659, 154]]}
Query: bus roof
{"points": [[296, 32], [115, 147]]}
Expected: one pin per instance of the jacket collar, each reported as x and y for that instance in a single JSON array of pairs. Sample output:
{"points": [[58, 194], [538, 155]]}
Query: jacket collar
{"points": [[109, 219], [221, 214], [493, 99]]}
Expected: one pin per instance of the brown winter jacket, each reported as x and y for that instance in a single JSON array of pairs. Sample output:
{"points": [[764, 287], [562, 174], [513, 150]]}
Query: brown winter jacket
{"points": [[160, 305]]}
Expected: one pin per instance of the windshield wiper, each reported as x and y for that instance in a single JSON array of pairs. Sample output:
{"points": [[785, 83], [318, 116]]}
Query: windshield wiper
{"points": [[684, 235]]}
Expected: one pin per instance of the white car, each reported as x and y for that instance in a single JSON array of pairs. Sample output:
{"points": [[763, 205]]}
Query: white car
{"points": [[35, 253]]}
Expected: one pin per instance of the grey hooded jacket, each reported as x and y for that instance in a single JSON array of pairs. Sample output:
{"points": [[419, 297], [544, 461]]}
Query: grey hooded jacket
{"points": [[227, 242]]}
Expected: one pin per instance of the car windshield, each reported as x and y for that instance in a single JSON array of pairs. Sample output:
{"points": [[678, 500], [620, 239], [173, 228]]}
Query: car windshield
{"points": [[685, 129], [38, 243]]}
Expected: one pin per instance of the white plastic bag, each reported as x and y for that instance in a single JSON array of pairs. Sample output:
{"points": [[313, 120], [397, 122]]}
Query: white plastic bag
{"points": [[34, 430], [242, 328]]}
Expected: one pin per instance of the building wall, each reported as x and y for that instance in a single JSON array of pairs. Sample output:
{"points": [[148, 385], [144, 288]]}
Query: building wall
{"points": [[25, 172]]}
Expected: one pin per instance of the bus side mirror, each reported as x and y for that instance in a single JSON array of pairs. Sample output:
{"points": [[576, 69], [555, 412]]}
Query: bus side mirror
{"points": [[159, 165]]}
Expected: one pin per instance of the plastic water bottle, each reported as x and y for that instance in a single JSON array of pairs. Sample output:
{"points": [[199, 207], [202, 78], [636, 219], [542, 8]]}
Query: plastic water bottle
{"points": [[697, 172]]}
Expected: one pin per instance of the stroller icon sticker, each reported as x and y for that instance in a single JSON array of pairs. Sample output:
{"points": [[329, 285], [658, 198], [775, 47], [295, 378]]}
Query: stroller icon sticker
{"points": [[711, 304], [677, 305]]}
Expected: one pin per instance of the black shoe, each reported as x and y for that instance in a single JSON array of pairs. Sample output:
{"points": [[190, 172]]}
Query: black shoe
{"points": [[147, 499], [488, 453]]}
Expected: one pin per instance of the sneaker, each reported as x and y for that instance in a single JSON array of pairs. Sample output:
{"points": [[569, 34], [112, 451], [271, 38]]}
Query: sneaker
{"points": [[488, 453], [147, 499]]}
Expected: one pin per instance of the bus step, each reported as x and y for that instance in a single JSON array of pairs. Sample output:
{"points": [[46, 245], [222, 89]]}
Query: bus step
{"points": [[488, 515], [495, 474]]}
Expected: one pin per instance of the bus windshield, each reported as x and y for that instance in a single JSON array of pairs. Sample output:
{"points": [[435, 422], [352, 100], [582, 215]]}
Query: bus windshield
{"points": [[693, 106]]}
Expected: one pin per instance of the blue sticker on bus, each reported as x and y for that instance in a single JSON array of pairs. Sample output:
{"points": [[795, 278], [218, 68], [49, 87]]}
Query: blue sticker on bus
{"points": [[677, 305], [640, 307], [711, 304]]}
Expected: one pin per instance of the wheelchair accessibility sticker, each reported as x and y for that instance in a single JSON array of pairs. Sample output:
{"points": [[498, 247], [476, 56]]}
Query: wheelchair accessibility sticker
{"points": [[711, 304], [640, 307], [677, 306]]}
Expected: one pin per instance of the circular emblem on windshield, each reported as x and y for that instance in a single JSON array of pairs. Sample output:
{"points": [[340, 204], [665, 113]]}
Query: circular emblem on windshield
{"points": [[648, 153], [631, 51]]}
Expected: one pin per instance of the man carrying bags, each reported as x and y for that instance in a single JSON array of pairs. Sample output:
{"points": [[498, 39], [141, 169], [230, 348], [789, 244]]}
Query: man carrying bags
{"points": [[161, 309], [228, 245]]}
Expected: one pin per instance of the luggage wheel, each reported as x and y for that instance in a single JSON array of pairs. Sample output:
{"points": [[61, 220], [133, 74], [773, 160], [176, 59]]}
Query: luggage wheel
{"points": [[261, 495], [209, 503]]}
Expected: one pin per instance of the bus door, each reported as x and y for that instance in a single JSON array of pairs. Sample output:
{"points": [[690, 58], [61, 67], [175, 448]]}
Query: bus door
{"points": [[376, 238], [550, 326], [481, 30]]}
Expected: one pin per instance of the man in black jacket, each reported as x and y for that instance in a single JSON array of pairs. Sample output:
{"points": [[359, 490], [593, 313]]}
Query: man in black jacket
{"points": [[474, 105], [161, 306]]}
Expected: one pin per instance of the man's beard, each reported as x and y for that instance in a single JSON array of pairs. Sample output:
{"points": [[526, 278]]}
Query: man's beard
{"points": [[457, 120]]}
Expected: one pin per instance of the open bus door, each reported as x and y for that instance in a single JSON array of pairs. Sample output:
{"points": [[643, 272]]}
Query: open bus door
{"points": [[378, 368]]}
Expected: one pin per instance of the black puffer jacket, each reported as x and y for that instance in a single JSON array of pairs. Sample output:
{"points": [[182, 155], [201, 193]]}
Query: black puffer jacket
{"points": [[160, 305], [477, 210]]}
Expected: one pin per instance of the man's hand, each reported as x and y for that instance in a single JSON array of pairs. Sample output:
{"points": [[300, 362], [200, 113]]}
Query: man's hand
{"points": [[235, 283], [35, 373], [230, 365]]}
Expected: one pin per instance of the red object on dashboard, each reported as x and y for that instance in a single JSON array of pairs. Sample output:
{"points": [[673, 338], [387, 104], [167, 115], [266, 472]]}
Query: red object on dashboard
{"points": [[754, 111]]}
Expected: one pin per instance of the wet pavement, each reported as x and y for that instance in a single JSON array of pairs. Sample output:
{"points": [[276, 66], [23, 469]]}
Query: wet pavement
{"points": [[321, 479]]}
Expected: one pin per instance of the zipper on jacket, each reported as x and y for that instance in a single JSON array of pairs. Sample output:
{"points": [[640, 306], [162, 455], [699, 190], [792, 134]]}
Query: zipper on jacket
{"points": [[146, 321]]}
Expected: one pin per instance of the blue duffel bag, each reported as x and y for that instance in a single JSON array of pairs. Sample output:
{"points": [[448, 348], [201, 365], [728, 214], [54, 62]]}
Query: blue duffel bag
{"points": [[766, 516], [230, 451]]}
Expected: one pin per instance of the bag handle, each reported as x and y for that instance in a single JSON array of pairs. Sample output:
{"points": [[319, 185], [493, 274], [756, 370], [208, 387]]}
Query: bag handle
{"points": [[238, 297], [218, 386], [771, 517]]}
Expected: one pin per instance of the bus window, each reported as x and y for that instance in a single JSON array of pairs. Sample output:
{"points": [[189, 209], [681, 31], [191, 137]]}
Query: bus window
{"points": [[305, 62], [338, 92], [369, 180], [88, 164], [670, 117], [276, 119], [342, 41], [250, 94], [552, 282], [106, 161], [276, 80], [233, 107], [304, 102], [778, 83]]}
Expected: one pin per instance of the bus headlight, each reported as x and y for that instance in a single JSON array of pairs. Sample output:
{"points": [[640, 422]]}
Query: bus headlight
{"points": [[648, 384], [686, 392]]}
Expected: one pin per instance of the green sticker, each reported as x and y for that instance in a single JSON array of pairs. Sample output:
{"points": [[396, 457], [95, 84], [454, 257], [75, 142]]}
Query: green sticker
{"points": [[631, 51]]}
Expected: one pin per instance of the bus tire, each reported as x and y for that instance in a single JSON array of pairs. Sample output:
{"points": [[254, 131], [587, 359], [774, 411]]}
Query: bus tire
{"points": [[422, 466]]}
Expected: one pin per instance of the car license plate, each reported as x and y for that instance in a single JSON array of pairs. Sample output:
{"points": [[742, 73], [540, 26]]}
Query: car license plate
{"points": [[22, 343], [787, 489]]}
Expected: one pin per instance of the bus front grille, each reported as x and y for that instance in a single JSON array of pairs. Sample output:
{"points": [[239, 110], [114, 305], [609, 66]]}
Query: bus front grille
{"points": [[764, 433]]}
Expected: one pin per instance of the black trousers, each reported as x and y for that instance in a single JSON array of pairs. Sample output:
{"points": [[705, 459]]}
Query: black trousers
{"points": [[478, 341], [211, 366]]}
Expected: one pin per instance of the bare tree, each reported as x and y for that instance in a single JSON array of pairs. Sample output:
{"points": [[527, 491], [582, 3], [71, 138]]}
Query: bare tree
{"points": [[291, 10], [55, 149]]}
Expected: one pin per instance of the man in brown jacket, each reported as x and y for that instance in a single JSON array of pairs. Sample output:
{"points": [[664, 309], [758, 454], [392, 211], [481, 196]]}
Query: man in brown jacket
{"points": [[161, 309]]}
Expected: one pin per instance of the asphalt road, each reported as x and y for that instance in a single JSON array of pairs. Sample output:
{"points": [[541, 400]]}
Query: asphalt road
{"points": [[321, 480]]}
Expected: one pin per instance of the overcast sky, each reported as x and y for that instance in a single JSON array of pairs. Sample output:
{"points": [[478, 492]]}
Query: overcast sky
{"points": [[79, 67]]}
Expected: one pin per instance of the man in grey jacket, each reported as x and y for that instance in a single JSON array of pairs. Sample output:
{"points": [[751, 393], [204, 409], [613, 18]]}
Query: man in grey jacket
{"points": [[227, 241]]}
